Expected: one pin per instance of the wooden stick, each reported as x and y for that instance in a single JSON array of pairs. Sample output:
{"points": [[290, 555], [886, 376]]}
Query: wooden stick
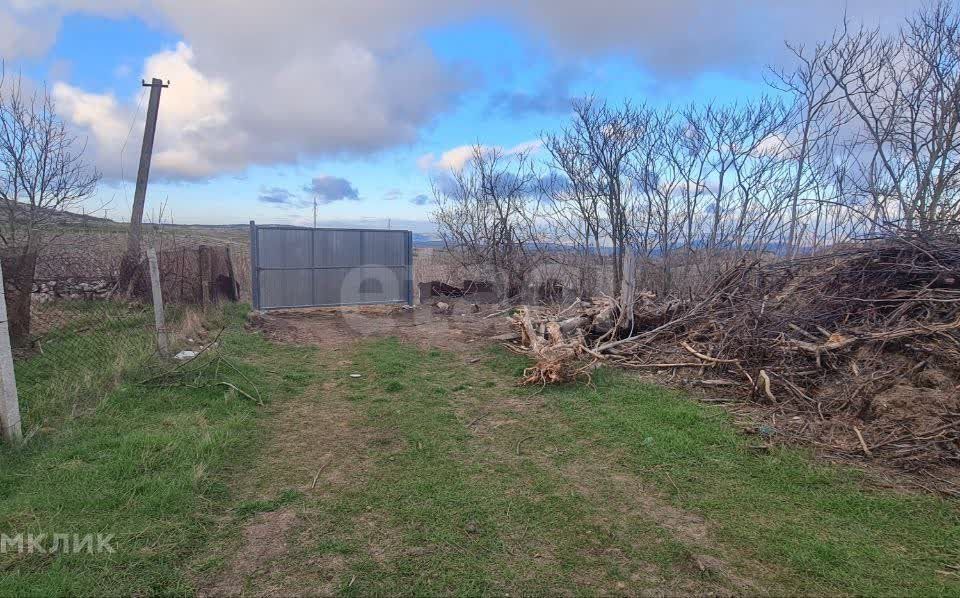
{"points": [[706, 357], [663, 366], [766, 386], [497, 313], [863, 443], [521, 441], [317, 477]]}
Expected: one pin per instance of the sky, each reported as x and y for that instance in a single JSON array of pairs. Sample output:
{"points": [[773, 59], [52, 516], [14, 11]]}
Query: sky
{"points": [[360, 103]]}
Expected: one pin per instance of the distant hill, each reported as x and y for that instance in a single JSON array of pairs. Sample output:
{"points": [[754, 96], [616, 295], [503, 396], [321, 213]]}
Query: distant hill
{"points": [[58, 217], [67, 218]]}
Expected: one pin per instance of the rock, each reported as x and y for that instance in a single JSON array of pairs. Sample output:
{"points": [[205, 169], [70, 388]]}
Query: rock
{"points": [[443, 306]]}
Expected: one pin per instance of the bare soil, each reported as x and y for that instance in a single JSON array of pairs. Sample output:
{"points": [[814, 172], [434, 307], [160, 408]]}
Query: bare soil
{"points": [[461, 328]]}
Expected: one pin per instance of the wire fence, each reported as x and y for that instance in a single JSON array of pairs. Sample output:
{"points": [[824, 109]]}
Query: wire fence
{"points": [[76, 335]]}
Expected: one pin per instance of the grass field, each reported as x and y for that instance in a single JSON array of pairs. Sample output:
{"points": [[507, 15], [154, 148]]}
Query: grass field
{"points": [[149, 465], [432, 473], [85, 349]]}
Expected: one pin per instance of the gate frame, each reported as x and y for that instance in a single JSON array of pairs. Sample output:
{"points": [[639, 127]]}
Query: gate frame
{"points": [[255, 264]]}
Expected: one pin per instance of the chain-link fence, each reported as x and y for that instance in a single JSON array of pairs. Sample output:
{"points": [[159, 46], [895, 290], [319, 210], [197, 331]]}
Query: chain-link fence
{"points": [[75, 334]]}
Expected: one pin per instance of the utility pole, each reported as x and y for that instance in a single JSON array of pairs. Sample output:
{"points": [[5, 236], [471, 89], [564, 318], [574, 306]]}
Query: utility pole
{"points": [[131, 259]]}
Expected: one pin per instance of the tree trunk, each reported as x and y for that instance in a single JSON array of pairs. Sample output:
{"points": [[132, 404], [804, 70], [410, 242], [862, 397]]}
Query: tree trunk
{"points": [[18, 272]]}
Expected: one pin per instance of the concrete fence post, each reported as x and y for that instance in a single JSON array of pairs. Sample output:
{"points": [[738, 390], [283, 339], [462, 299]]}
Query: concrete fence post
{"points": [[158, 315], [10, 427]]}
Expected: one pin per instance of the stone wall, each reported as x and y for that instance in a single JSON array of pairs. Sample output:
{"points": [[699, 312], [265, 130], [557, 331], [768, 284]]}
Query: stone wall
{"points": [[72, 288]]}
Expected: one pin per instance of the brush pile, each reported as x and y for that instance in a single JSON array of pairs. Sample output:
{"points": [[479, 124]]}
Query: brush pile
{"points": [[857, 349]]}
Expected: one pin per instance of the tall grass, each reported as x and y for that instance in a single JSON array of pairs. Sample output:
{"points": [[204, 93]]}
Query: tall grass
{"points": [[84, 350]]}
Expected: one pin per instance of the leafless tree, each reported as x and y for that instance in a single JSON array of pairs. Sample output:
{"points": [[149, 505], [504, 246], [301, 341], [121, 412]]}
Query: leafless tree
{"points": [[484, 217], [866, 141], [572, 209], [904, 92], [603, 138], [42, 172], [44, 169], [814, 120], [659, 183]]}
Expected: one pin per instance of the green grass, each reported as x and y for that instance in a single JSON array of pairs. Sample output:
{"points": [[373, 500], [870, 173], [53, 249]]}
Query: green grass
{"points": [[446, 515], [461, 513], [96, 344], [452, 481], [148, 465], [821, 527]]}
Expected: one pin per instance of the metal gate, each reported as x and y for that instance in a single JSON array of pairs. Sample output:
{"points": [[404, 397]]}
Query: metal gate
{"points": [[316, 267]]}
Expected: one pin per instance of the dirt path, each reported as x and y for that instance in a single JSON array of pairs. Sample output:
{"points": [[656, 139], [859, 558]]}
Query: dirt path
{"points": [[461, 329], [352, 492]]}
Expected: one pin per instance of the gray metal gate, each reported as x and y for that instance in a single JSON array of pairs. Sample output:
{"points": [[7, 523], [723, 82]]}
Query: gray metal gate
{"points": [[316, 267]]}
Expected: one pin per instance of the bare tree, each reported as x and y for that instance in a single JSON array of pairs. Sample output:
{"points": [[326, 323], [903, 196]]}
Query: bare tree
{"points": [[904, 92], [659, 182], [43, 172], [573, 210], [868, 139], [483, 215], [813, 122], [605, 138]]}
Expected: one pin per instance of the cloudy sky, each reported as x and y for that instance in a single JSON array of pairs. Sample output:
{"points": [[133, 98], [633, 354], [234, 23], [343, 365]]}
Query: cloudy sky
{"points": [[357, 102]]}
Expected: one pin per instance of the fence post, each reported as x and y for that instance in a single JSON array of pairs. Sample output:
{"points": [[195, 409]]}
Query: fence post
{"points": [[10, 429], [410, 277], [158, 316], [204, 261], [629, 288], [255, 266]]}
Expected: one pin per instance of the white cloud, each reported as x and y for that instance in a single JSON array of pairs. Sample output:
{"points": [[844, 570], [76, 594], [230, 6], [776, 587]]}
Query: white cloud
{"points": [[283, 83], [293, 80], [458, 157], [772, 145], [527, 147], [194, 137]]}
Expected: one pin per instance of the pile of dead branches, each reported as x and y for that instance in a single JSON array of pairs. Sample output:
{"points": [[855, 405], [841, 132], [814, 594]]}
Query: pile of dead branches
{"points": [[858, 348]]}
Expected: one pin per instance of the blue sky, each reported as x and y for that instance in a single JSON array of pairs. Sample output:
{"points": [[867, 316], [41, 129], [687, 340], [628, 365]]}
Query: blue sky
{"points": [[270, 102]]}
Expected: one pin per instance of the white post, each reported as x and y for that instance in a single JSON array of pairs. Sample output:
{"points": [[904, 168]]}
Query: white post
{"points": [[158, 316], [10, 429]]}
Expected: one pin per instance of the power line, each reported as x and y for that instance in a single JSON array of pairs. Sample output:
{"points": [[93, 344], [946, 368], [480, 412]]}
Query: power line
{"points": [[123, 148]]}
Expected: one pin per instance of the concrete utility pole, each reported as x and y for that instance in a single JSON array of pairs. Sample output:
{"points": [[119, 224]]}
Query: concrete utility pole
{"points": [[131, 259], [10, 430], [159, 316]]}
